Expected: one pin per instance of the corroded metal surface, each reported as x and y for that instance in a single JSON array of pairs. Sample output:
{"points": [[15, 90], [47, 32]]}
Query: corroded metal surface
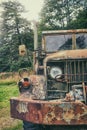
{"points": [[38, 86], [64, 31], [49, 112], [68, 54], [52, 43]]}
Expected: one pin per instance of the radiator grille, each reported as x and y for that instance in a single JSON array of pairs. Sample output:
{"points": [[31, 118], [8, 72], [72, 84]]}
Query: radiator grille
{"points": [[76, 71]]}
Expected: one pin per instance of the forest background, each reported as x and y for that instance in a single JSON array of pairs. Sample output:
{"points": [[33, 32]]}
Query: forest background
{"points": [[16, 30]]}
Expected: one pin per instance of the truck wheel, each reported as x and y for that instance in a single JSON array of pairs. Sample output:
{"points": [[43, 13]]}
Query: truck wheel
{"points": [[31, 126], [67, 127]]}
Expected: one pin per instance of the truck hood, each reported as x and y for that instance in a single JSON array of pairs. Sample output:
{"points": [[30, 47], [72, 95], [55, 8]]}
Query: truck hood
{"points": [[68, 54]]}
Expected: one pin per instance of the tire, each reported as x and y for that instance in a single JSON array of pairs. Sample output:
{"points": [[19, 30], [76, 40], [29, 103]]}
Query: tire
{"points": [[63, 127], [31, 126]]}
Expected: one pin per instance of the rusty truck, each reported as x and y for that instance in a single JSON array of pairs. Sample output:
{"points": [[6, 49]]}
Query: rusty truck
{"points": [[56, 94]]}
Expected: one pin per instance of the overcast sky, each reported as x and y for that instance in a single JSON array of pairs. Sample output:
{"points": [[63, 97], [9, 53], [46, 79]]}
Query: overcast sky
{"points": [[33, 7]]}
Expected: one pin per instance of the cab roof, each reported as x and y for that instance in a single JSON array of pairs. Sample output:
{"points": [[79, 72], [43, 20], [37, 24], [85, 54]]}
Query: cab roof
{"points": [[64, 31]]}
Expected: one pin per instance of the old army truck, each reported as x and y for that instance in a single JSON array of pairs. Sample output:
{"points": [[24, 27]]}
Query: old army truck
{"points": [[56, 94]]}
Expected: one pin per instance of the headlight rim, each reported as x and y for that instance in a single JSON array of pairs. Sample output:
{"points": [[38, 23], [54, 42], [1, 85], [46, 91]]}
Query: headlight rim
{"points": [[59, 69]]}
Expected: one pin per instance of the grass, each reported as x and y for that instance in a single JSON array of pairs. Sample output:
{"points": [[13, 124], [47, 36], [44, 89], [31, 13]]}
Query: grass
{"points": [[18, 127], [8, 90]]}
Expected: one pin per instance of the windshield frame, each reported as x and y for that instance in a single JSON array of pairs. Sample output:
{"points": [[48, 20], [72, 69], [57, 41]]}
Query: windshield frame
{"points": [[72, 33]]}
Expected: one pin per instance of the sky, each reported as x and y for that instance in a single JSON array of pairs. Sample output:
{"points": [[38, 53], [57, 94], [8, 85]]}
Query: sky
{"points": [[33, 8]]}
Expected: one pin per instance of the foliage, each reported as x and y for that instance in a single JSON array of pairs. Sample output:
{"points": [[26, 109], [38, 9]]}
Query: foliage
{"points": [[6, 122], [6, 92], [15, 31], [58, 14], [80, 22]]}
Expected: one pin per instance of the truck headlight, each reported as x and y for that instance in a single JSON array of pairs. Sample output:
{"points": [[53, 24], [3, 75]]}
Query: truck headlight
{"points": [[54, 71]]}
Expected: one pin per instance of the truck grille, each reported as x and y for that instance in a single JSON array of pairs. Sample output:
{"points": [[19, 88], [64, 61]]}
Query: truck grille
{"points": [[76, 71]]}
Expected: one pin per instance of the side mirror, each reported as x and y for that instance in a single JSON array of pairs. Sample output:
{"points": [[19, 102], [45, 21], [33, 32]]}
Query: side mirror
{"points": [[22, 50]]}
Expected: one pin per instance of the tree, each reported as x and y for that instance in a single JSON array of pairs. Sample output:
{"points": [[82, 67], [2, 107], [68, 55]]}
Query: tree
{"points": [[57, 14], [15, 30], [80, 21]]}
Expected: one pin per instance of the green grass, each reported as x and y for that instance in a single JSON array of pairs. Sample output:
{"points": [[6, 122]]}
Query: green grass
{"points": [[6, 92], [18, 127]]}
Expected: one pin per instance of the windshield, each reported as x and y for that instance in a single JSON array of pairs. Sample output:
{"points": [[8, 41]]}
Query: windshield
{"points": [[64, 42]]}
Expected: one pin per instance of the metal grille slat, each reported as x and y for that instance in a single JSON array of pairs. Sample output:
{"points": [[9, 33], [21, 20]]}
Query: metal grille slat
{"points": [[76, 71]]}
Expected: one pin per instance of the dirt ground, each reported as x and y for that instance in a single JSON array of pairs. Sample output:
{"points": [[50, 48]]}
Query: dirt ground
{"points": [[8, 123]]}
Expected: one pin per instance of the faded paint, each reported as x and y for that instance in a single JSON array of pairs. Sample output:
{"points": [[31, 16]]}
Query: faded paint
{"points": [[22, 107], [38, 86], [64, 31], [53, 112], [50, 112], [68, 54]]}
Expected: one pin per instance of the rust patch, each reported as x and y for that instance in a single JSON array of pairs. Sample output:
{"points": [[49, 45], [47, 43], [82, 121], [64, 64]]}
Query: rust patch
{"points": [[50, 112], [38, 86]]}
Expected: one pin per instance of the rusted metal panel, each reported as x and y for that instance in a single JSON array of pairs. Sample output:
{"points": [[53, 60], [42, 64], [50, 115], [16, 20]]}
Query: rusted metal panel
{"points": [[73, 41], [35, 63], [38, 86], [57, 40], [64, 31], [68, 54], [49, 112]]}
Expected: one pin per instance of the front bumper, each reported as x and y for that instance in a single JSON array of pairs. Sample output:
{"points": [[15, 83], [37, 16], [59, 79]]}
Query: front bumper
{"points": [[53, 112]]}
